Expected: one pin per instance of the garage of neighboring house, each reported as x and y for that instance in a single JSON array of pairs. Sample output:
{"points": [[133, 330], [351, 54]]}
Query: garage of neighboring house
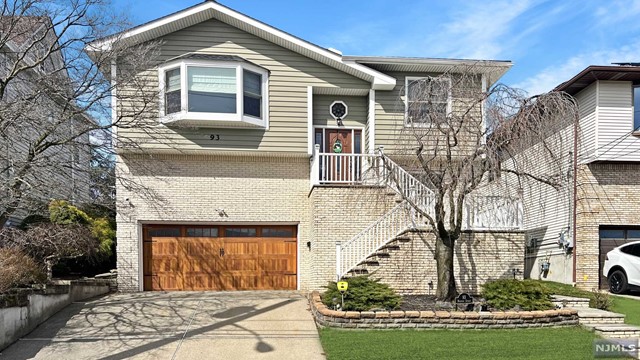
{"points": [[219, 257], [610, 238]]}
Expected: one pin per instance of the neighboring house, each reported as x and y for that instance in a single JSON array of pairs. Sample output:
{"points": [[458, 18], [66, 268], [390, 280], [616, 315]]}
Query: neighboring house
{"points": [[31, 109], [600, 195], [258, 160]]}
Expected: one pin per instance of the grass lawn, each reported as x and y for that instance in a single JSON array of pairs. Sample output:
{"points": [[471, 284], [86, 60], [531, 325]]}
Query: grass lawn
{"points": [[550, 343], [629, 307]]}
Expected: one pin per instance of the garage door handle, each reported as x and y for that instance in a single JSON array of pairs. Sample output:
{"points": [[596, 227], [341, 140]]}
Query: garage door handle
{"points": [[221, 251]]}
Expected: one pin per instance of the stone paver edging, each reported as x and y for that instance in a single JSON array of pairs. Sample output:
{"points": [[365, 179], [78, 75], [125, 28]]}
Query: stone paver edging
{"points": [[439, 319]]}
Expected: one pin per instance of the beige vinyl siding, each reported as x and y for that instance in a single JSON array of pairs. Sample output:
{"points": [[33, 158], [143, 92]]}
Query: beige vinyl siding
{"points": [[356, 115], [615, 122], [290, 74], [587, 102], [390, 110], [389, 113], [547, 210]]}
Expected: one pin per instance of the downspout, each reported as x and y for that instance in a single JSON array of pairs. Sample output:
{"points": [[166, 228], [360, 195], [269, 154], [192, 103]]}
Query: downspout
{"points": [[575, 192]]}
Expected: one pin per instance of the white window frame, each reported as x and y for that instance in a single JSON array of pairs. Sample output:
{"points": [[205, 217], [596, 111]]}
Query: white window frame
{"points": [[238, 116], [409, 79]]}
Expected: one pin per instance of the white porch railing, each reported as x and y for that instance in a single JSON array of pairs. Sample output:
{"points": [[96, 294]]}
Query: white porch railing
{"points": [[372, 238], [493, 213], [330, 168]]}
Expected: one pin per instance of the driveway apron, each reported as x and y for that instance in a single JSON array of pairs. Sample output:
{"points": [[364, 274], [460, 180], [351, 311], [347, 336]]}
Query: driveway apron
{"points": [[177, 325]]}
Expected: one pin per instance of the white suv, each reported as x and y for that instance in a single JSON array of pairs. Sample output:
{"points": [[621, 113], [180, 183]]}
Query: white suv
{"points": [[622, 267]]}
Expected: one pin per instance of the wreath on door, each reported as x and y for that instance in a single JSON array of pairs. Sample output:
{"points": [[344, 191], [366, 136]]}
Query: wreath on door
{"points": [[337, 146]]}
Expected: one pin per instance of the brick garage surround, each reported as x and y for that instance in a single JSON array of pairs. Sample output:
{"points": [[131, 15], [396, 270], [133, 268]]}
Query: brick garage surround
{"points": [[439, 319], [276, 190], [189, 188], [607, 194], [338, 214]]}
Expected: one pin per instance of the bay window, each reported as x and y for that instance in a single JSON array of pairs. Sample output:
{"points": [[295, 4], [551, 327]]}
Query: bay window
{"points": [[214, 93]]}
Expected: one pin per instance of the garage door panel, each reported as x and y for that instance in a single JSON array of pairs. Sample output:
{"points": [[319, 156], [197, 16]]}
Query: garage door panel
{"points": [[246, 262], [611, 237]]}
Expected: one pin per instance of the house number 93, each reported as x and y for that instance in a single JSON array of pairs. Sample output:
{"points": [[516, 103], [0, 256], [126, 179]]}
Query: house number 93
{"points": [[215, 137]]}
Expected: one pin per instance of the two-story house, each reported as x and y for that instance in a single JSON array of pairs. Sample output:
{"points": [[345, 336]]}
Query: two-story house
{"points": [[257, 160], [599, 195], [39, 160]]}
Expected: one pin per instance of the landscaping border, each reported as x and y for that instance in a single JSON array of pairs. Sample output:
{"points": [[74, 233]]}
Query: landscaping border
{"points": [[326, 317]]}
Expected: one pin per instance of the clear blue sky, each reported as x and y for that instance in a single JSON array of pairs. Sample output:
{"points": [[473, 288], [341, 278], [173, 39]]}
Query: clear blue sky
{"points": [[548, 41]]}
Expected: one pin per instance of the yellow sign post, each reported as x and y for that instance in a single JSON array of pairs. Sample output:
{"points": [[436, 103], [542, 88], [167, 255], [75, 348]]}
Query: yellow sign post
{"points": [[342, 287]]}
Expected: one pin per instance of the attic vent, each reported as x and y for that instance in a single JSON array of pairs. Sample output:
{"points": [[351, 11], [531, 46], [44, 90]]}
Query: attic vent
{"points": [[335, 51]]}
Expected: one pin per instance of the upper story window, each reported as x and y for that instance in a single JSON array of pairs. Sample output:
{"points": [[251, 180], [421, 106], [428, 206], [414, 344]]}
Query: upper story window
{"points": [[636, 108], [428, 100], [211, 93]]}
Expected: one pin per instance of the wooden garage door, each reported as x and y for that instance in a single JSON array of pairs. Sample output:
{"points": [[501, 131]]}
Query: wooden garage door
{"points": [[219, 257], [610, 238]]}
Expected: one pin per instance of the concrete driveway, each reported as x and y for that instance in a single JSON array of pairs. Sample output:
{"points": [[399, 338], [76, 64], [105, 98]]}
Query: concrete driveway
{"points": [[179, 325]]}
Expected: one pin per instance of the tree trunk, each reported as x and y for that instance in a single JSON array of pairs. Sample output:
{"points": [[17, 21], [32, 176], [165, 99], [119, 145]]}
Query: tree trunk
{"points": [[446, 289]]}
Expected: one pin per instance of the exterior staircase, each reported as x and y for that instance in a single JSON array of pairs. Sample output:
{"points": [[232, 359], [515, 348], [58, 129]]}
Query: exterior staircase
{"points": [[386, 234]]}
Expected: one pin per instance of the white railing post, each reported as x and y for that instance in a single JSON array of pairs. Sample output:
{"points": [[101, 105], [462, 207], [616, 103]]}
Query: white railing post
{"points": [[338, 260], [315, 166]]}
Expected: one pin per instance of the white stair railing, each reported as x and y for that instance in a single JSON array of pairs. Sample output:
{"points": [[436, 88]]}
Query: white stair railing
{"points": [[481, 212], [408, 186], [372, 238]]}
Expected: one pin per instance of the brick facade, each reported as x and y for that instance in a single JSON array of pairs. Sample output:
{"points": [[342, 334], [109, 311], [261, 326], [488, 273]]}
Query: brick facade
{"points": [[607, 194], [479, 257], [191, 188], [271, 190]]}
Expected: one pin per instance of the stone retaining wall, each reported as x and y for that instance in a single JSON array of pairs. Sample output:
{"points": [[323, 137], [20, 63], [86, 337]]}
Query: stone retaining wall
{"points": [[439, 319], [22, 310]]}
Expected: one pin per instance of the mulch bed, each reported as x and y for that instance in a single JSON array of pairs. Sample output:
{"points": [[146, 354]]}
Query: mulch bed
{"points": [[426, 303]]}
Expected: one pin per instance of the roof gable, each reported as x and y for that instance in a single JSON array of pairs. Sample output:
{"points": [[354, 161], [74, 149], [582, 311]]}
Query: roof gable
{"points": [[212, 10]]}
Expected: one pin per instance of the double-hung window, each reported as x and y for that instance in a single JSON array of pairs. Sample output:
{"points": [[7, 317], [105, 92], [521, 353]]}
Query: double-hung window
{"points": [[428, 100], [214, 93]]}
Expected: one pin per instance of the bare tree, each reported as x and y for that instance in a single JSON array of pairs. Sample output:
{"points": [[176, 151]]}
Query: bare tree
{"points": [[459, 139], [55, 100]]}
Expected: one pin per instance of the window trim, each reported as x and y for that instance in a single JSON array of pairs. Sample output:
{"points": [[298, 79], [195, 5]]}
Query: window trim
{"points": [[409, 79], [238, 116]]}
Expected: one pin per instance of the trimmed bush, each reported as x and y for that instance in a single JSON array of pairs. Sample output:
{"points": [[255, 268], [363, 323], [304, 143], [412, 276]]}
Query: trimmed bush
{"points": [[601, 300], [508, 294], [363, 294], [18, 269]]}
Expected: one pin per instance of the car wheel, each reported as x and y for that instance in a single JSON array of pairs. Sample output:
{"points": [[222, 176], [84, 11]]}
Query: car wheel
{"points": [[618, 282]]}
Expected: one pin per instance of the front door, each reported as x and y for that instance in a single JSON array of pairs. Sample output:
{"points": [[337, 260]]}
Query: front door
{"points": [[339, 164], [338, 143]]}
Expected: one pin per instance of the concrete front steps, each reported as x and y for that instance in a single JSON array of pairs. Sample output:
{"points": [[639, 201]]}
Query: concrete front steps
{"points": [[561, 301], [605, 324], [373, 262]]}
